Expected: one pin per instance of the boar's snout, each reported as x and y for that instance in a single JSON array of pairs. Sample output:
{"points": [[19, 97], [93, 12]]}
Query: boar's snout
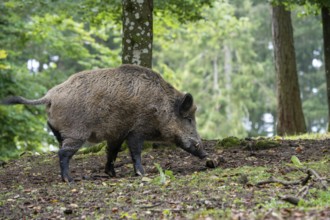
{"points": [[200, 151], [195, 148]]}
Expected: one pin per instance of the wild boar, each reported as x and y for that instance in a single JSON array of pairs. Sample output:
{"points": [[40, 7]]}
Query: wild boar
{"points": [[129, 103]]}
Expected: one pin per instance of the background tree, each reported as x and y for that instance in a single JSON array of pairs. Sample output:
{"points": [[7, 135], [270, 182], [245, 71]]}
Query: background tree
{"points": [[137, 32], [290, 117], [326, 45], [315, 7]]}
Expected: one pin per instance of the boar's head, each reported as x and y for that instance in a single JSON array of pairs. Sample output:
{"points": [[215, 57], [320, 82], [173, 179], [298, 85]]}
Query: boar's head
{"points": [[182, 127]]}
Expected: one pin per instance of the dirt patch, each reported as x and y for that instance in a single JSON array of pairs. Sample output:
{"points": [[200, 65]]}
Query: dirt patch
{"points": [[31, 186]]}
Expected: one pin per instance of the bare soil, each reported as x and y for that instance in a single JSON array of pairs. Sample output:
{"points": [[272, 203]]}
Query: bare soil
{"points": [[31, 188]]}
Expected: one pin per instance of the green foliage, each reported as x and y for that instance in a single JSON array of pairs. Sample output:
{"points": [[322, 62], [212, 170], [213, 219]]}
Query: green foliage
{"points": [[304, 7], [164, 176], [22, 128], [296, 161], [3, 55], [100, 12], [186, 10]]}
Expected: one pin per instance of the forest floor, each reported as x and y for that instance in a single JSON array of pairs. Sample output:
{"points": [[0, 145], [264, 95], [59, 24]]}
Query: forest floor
{"points": [[253, 179]]}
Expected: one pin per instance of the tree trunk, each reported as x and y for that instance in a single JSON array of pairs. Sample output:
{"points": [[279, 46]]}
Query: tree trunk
{"points": [[138, 32], [326, 48], [290, 117]]}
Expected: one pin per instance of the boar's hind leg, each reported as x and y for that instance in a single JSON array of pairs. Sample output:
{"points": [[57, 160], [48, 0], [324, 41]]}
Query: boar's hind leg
{"points": [[113, 148], [135, 144], [56, 133], [69, 148]]}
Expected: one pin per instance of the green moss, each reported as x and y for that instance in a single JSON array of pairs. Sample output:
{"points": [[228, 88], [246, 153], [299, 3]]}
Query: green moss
{"points": [[229, 142], [264, 144]]}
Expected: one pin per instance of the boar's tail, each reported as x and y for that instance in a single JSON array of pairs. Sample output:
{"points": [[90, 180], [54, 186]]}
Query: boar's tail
{"points": [[13, 100]]}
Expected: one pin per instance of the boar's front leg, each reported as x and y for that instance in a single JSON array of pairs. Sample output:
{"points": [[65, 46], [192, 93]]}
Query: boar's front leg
{"points": [[69, 148], [135, 143], [113, 148]]}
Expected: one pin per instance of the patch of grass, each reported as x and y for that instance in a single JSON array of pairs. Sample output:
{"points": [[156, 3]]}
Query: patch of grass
{"points": [[92, 149], [307, 136], [322, 166], [212, 213], [275, 203], [316, 199]]}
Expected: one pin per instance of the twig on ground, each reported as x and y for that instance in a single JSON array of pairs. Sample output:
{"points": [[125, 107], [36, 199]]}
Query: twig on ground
{"points": [[291, 199], [150, 206], [303, 192], [314, 173], [306, 179], [274, 180], [171, 210]]}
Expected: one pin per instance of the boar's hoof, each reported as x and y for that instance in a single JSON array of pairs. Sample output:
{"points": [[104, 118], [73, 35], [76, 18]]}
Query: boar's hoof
{"points": [[110, 171], [139, 171], [67, 179]]}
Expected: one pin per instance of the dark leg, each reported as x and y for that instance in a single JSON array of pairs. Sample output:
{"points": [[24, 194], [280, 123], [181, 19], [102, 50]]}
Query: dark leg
{"points": [[69, 148], [56, 133], [113, 148], [135, 144]]}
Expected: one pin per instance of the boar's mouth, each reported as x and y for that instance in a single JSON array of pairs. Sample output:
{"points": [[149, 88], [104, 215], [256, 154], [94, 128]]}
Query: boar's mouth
{"points": [[195, 148]]}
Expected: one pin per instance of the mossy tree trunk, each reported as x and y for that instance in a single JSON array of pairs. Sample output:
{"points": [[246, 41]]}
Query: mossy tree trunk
{"points": [[137, 32], [290, 117], [326, 46]]}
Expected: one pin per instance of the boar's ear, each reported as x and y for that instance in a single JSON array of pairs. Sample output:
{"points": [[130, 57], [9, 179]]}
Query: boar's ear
{"points": [[186, 103]]}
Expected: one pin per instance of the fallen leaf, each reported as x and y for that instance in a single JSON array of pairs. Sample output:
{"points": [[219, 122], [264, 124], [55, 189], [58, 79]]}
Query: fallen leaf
{"points": [[146, 179], [299, 149], [73, 205]]}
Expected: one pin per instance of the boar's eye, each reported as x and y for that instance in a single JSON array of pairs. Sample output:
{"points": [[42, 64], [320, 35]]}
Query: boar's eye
{"points": [[189, 120]]}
